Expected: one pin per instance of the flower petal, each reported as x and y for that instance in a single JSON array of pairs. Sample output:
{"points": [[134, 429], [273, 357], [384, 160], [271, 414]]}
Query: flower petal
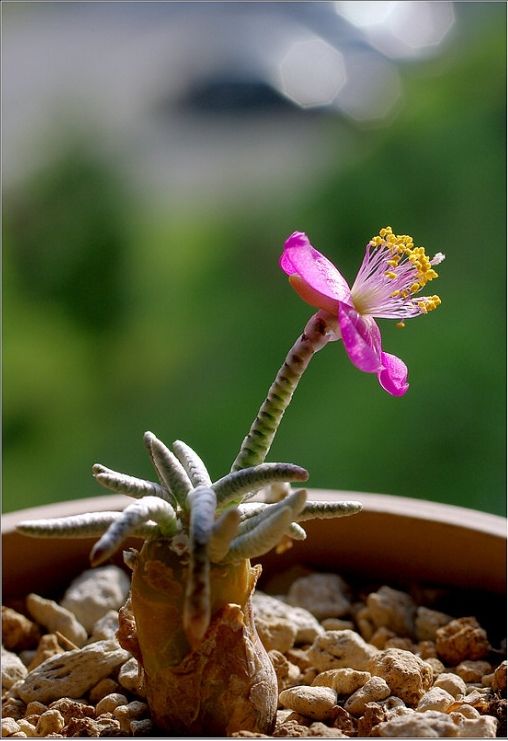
{"points": [[312, 297], [301, 259], [393, 376], [361, 338]]}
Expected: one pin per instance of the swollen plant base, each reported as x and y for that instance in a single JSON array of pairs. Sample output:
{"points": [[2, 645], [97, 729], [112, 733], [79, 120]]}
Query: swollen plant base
{"points": [[226, 682]]}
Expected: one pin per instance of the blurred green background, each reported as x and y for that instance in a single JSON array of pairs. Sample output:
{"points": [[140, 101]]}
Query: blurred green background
{"points": [[145, 208]]}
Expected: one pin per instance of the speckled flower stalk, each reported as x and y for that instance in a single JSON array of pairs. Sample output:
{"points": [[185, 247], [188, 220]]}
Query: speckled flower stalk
{"points": [[189, 618], [320, 329]]}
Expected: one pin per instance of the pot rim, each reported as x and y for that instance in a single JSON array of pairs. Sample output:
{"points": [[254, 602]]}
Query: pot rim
{"points": [[449, 514]]}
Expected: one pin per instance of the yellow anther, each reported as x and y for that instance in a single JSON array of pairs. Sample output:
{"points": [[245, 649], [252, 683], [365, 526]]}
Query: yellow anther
{"points": [[400, 325], [395, 294], [413, 260]]}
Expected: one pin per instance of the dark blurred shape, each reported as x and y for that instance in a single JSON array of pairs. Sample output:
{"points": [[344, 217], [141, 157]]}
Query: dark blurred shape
{"points": [[225, 95], [67, 237]]}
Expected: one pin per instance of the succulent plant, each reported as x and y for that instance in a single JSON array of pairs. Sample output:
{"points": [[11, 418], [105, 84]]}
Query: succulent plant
{"points": [[189, 619]]}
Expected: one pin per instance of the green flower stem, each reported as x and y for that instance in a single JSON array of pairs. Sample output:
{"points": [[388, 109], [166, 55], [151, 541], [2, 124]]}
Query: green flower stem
{"points": [[320, 329]]}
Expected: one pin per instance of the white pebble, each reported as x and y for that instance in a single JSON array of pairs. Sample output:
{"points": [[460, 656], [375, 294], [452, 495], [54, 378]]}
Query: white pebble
{"points": [[313, 702], [56, 618], [452, 683], [324, 595], [95, 592], [343, 681], [436, 698], [9, 726], [73, 673], [373, 690], [340, 649], [13, 669], [109, 703]]}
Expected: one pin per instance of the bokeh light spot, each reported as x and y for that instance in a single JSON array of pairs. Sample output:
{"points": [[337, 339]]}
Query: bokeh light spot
{"points": [[311, 73]]}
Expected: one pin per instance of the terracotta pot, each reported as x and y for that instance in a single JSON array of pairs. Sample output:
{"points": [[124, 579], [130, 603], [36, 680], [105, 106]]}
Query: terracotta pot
{"points": [[396, 539]]}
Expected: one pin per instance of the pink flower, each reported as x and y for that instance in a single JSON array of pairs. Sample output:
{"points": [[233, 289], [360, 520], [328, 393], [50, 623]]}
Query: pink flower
{"points": [[393, 271]]}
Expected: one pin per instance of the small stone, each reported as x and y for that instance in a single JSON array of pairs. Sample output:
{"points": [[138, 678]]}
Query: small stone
{"points": [[105, 687], [406, 674], [291, 729], [105, 628], [9, 726], [394, 706], [109, 703], [277, 634], [426, 650], [82, 727], [344, 721], [427, 622], [142, 727], [373, 714], [466, 711], [405, 644], [436, 665], [130, 678], [313, 702], [373, 690], [70, 709], [48, 647], [461, 639], [269, 609], [499, 683], [132, 711], [365, 625], [483, 727], [338, 649], [95, 592], [300, 657], [13, 707], [452, 683], [73, 673], [26, 727], [431, 724], [56, 618], [320, 730], [380, 636], [13, 669], [288, 674], [18, 632], [343, 681], [51, 721], [473, 671], [324, 595], [436, 698], [337, 624], [392, 609], [35, 708]]}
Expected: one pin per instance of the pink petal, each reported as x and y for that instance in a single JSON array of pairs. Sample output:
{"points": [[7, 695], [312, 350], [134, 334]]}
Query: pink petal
{"points": [[393, 376], [301, 259], [312, 297], [361, 338]]}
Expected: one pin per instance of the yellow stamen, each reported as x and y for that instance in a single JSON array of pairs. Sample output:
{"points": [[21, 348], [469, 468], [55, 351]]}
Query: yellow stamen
{"points": [[400, 325], [401, 247]]}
